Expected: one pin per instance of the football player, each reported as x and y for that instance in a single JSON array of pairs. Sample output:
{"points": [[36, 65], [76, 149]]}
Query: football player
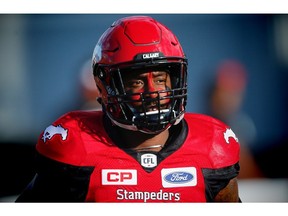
{"points": [[142, 146]]}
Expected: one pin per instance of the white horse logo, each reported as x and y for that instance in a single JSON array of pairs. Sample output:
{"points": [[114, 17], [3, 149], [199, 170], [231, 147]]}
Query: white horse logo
{"points": [[52, 130], [229, 133]]}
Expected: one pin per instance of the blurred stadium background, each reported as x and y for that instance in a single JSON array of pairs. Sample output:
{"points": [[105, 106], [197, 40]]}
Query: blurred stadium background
{"points": [[42, 57]]}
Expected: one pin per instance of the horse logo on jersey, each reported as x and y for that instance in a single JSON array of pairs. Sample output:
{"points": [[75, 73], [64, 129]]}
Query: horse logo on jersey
{"points": [[53, 130], [229, 133]]}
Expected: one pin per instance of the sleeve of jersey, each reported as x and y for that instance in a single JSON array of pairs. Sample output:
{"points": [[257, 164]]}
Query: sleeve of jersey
{"points": [[224, 157], [225, 147], [61, 141]]}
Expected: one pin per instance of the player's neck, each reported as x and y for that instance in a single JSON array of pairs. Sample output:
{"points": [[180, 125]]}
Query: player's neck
{"points": [[139, 141]]}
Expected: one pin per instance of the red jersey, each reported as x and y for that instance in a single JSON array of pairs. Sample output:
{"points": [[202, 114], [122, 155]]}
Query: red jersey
{"points": [[79, 161]]}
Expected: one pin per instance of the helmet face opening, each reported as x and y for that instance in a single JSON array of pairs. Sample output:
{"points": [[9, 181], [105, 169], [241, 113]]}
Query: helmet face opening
{"points": [[135, 47], [146, 111]]}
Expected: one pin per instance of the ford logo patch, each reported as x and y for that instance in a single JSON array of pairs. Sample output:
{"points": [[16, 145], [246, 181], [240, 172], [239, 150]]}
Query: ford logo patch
{"points": [[178, 177]]}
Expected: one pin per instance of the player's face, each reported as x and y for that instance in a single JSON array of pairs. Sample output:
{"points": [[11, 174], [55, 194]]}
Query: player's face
{"points": [[145, 82]]}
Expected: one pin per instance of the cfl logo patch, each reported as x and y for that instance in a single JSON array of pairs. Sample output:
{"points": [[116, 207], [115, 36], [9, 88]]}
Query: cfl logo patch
{"points": [[148, 160], [119, 177]]}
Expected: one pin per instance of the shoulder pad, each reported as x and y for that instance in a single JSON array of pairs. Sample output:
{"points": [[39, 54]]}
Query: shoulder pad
{"points": [[223, 148], [62, 140]]}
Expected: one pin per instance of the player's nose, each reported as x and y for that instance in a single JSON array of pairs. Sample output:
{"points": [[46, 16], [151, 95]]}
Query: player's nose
{"points": [[151, 91]]}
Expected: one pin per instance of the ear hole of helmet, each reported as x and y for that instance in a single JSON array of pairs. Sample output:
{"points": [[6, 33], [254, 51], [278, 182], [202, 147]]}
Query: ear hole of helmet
{"points": [[100, 74]]}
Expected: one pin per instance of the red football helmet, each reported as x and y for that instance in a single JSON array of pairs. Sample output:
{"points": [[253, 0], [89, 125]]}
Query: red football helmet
{"points": [[133, 44]]}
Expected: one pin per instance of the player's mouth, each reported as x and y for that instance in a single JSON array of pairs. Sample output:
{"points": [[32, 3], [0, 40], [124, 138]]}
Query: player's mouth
{"points": [[156, 108], [152, 112]]}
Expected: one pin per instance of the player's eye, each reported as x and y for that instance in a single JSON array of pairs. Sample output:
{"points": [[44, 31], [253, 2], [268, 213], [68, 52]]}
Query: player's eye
{"points": [[132, 84]]}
